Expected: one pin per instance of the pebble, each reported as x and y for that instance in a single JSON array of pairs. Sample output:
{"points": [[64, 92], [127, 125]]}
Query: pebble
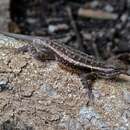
{"points": [[60, 27], [49, 90], [100, 124], [126, 95], [108, 8], [121, 128], [51, 28], [94, 4], [124, 17], [126, 116], [3, 85], [70, 124], [73, 124], [87, 113]]}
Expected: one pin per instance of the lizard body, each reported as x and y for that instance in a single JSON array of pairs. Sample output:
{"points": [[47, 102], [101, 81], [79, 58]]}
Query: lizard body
{"points": [[69, 55]]}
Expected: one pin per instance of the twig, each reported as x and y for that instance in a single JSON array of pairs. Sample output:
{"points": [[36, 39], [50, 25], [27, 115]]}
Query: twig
{"points": [[73, 23], [97, 14]]}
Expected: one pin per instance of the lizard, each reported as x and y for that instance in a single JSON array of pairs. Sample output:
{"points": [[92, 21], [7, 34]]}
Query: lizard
{"points": [[88, 65]]}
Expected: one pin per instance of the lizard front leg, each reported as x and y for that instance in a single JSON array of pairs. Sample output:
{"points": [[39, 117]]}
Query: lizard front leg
{"points": [[37, 52]]}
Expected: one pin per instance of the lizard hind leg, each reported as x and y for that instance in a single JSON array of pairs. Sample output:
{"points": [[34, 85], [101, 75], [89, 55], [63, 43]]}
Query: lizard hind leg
{"points": [[87, 81]]}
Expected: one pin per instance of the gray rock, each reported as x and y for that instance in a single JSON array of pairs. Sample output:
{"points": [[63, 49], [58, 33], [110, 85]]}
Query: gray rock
{"points": [[3, 85], [87, 113]]}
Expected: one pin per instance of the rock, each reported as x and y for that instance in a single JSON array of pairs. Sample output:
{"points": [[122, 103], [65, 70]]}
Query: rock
{"points": [[3, 85]]}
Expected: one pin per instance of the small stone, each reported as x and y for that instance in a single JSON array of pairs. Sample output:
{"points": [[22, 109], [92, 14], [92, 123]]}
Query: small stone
{"points": [[126, 96], [108, 8], [3, 85], [49, 90], [31, 20], [126, 116], [87, 36], [121, 128], [102, 125], [124, 17], [94, 4], [87, 113], [59, 27], [70, 124], [73, 124], [51, 28], [97, 94], [108, 107]]}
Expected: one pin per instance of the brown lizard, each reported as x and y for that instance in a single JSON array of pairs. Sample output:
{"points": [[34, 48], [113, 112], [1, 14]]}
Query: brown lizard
{"points": [[89, 67]]}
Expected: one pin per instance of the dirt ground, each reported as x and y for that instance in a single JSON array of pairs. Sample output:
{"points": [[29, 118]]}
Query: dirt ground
{"points": [[38, 95]]}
